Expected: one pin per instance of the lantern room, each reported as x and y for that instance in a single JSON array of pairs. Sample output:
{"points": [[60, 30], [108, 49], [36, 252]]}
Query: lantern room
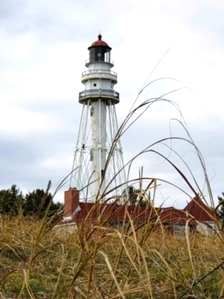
{"points": [[99, 51]]}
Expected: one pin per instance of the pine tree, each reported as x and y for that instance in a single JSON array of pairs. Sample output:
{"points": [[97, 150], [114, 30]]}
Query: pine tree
{"points": [[38, 202], [221, 209], [11, 201]]}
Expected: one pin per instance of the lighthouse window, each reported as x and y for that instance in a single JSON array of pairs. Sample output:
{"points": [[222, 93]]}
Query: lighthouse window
{"points": [[99, 56], [94, 84], [91, 155], [91, 111]]}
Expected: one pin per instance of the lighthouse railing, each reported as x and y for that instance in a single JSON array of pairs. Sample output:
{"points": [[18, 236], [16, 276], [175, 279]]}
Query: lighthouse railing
{"points": [[99, 71], [98, 92]]}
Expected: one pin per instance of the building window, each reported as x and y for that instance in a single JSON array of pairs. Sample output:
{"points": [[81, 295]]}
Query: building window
{"points": [[94, 84], [179, 230]]}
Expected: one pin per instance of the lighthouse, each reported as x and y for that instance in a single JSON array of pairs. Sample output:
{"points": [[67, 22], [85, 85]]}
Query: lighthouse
{"points": [[98, 168]]}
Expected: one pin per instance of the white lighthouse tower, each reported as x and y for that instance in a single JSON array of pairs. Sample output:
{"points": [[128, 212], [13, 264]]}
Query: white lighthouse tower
{"points": [[98, 163]]}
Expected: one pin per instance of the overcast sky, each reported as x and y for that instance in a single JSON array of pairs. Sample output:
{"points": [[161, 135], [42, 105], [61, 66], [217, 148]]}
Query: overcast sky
{"points": [[42, 55]]}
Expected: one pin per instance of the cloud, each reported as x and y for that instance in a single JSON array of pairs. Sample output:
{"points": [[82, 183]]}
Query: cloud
{"points": [[44, 53]]}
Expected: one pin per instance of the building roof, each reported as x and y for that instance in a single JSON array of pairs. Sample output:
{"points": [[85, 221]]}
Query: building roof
{"points": [[99, 43], [170, 216], [199, 210], [112, 213]]}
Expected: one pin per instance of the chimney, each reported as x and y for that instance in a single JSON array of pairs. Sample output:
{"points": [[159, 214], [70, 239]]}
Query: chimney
{"points": [[71, 201]]}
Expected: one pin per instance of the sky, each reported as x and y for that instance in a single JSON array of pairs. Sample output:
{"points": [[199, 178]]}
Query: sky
{"points": [[43, 50]]}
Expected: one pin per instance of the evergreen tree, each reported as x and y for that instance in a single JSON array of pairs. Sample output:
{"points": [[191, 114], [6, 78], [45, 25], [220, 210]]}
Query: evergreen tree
{"points": [[11, 201], [221, 209], [129, 195], [35, 203], [38, 202]]}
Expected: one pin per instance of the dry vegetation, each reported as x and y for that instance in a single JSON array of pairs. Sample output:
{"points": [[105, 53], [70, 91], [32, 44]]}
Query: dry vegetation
{"points": [[101, 262]]}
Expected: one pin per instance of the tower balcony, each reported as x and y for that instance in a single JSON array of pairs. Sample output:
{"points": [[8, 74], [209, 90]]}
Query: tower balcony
{"points": [[95, 94], [99, 74]]}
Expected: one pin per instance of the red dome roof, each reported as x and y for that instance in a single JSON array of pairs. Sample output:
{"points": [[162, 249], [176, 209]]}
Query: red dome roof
{"points": [[99, 43]]}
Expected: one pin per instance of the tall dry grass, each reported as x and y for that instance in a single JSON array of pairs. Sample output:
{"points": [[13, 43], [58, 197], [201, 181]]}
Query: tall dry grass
{"points": [[131, 261], [106, 262]]}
